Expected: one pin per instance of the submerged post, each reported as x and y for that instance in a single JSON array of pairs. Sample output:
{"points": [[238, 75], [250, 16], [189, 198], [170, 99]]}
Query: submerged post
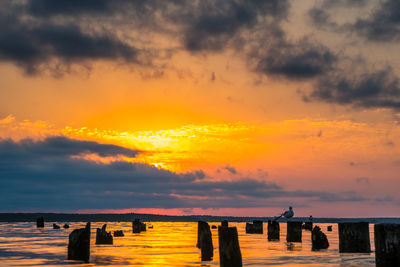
{"points": [[354, 237], [273, 230], [254, 228], [294, 231], [103, 237], [204, 241], [318, 239], [40, 222], [229, 249], [138, 226], [79, 244], [387, 244]]}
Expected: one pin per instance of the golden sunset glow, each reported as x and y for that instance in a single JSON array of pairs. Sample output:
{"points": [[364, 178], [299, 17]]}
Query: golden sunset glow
{"points": [[183, 105]]}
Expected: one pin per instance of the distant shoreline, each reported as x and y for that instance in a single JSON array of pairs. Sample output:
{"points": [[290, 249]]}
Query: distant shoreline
{"points": [[128, 217]]}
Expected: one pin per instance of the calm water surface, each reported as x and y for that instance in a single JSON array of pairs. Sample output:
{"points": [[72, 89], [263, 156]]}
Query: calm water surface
{"points": [[167, 244]]}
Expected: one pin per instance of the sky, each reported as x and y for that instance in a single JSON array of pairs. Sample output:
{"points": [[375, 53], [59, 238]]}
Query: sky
{"points": [[200, 107]]}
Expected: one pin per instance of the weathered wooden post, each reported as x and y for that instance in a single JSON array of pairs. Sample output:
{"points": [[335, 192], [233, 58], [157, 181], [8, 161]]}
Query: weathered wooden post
{"points": [[118, 233], [319, 239], [103, 237], [354, 237], [138, 226], [293, 233], [40, 222], [254, 228], [329, 228], [229, 249], [142, 227], [387, 244], [79, 244], [273, 230], [224, 223], [204, 241]]}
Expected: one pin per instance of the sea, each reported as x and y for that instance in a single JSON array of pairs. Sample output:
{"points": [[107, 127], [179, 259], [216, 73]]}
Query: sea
{"points": [[167, 244]]}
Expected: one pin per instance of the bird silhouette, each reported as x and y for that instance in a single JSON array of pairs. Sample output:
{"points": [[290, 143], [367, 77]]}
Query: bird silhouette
{"points": [[287, 214]]}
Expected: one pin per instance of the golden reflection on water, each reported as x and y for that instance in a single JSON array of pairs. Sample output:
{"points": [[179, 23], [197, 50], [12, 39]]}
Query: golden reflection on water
{"points": [[167, 244]]}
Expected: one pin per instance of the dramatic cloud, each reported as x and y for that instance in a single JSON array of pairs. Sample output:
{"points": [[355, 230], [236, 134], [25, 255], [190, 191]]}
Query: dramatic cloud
{"points": [[42, 175], [32, 46], [379, 89], [221, 21], [41, 33], [383, 24], [300, 60]]}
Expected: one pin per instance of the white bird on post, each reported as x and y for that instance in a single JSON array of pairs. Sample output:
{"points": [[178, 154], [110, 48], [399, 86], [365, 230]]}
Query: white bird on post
{"points": [[287, 214]]}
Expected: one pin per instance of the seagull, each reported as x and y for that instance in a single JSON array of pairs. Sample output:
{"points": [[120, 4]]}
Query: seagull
{"points": [[287, 214]]}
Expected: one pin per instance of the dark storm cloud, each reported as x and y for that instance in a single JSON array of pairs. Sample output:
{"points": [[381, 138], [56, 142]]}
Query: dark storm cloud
{"points": [[42, 175], [31, 46], [301, 60], [383, 24], [380, 89], [36, 33], [219, 22]]}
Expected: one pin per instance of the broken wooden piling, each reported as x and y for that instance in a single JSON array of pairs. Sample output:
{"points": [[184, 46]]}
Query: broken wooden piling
{"points": [[138, 226], [79, 244], [273, 231], [40, 222], [318, 239], [204, 241], [254, 228], [118, 233], [387, 244], [293, 233], [103, 237], [229, 249], [354, 237]]}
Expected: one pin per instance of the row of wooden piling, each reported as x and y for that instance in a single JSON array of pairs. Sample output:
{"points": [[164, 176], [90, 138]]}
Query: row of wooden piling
{"points": [[353, 238], [79, 239]]}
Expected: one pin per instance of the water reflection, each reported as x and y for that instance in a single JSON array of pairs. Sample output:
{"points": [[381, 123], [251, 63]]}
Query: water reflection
{"points": [[166, 244]]}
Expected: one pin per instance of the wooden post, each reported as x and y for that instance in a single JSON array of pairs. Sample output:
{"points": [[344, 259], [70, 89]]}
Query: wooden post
{"points": [[387, 245], [224, 223], [103, 237], [254, 228], [138, 226], [229, 249], [118, 233], [204, 241], [294, 231], [319, 239], [79, 244], [273, 230], [40, 222], [354, 237]]}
